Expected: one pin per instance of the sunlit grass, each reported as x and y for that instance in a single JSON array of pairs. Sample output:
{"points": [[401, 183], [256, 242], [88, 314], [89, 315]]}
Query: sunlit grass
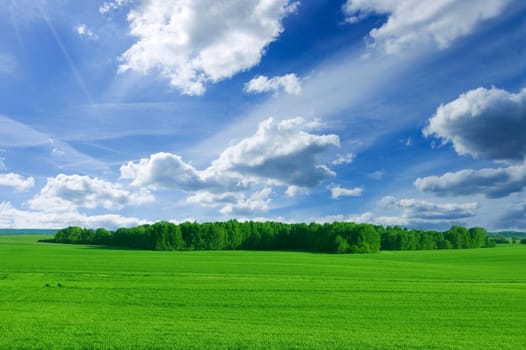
{"points": [[69, 296]]}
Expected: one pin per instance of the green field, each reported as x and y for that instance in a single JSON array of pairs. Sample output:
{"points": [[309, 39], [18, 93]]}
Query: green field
{"points": [[77, 296]]}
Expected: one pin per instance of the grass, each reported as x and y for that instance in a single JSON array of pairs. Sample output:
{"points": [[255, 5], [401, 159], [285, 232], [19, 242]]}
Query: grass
{"points": [[85, 297]]}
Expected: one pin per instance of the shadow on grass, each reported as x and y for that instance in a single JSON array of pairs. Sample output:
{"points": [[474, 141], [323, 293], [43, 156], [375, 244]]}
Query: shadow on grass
{"points": [[90, 246], [112, 247]]}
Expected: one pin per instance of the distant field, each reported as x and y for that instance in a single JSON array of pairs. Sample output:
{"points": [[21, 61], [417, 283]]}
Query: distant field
{"points": [[32, 231], [78, 297]]}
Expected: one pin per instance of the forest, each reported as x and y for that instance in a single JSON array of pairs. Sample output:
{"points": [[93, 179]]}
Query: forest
{"points": [[336, 237]]}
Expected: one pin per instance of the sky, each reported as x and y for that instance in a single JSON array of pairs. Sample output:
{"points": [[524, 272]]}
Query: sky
{"points": [[392, 112]]}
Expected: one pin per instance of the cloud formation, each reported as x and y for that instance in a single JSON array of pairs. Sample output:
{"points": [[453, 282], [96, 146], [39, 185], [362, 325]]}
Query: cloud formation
{"points": [[280, 153], [109, 6], [514, 218], [492, 183], [288, 83], [419, 214], [337, 191], [193, 43], [11, 217], [484, 123], [424, 210], [69, 192], [164, 170], [234, 203], [17, 181], [83, 30], [413, 22], [344, 159]]}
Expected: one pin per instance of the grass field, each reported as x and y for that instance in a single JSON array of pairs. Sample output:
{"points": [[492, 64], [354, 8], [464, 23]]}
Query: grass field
{"points": [[72, 296]]}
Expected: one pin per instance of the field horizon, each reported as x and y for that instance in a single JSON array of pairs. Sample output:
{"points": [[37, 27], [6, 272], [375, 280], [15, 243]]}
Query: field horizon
{"points": [[76, 296]]}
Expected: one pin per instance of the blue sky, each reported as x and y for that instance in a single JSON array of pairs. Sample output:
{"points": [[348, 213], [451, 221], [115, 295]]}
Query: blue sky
{"points": [[408, 112]]}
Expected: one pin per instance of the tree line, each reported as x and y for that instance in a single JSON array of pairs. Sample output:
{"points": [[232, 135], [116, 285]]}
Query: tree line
{"points": [[337, 237]]}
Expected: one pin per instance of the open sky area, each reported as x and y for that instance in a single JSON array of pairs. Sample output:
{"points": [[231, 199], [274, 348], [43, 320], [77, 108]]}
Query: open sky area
{"points": [[393, 112]]}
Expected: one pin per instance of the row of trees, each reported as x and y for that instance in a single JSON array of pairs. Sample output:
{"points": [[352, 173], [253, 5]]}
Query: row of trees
{"points": [[337, 237]]}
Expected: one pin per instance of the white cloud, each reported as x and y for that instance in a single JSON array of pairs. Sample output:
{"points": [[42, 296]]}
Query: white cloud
{"points": [[344, 159], [210, 199], [15, 218], [414, 22], [424, 210], [164, 170], [484, 123], [293, 191], [283, 152], [109, 6], [16, 181], [288, 83], [69, 192], [256, 203], [337, 191], [193, 43], [83, 30], [278, 154], [492, 183], [234, 203]]}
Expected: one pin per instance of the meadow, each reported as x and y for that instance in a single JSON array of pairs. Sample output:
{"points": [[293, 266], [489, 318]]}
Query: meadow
{"points": [[91, 297]]}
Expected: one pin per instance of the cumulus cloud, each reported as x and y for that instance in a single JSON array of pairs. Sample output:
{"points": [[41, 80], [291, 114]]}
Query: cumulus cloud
{"points": [[69, 192], [164, 170], [18, 182], [283, 152], [280, 153], [16, 218], [484, 123], [83, 30], [337, 191], [492, 183], [193, 43], [288, 83], [413, 22], [344, 159]]}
